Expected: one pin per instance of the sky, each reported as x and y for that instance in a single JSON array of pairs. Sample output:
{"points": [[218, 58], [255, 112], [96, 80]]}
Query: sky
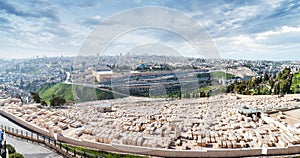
{"points": [[251, 30]]}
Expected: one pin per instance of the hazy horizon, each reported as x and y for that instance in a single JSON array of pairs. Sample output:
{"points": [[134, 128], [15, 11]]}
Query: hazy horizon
{"points": [[35, 57]]}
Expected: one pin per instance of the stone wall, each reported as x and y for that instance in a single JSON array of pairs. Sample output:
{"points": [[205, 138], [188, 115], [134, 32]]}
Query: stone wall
{"points": [[25, 124], [284, 150], [85, 143]]}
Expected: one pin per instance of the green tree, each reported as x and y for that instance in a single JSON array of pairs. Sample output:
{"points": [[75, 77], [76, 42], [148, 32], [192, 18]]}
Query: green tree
{"points": [[258, 91], [16, 155], [284, 87], [276, 88], [296, 89], [230, 88], [36, 97], [279, 75], [266, 76], [202, 94], [57, 100], [10, 149], [271, 82], [44, 103]]}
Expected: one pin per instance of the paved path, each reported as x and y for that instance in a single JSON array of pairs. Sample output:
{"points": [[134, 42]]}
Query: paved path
{"points": [[27, 148]]}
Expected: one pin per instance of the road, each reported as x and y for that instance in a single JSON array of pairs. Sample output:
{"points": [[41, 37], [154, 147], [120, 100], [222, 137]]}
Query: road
{"points": [[26, 148]]}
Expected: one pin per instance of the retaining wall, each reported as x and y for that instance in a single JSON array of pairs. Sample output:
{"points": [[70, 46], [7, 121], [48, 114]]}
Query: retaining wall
{"points": [[25, 124], [284, 151]]}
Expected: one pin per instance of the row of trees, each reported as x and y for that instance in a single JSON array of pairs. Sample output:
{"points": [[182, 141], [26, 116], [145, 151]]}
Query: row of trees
{"points": [[54, 101], [200, 94], [266, 85]]}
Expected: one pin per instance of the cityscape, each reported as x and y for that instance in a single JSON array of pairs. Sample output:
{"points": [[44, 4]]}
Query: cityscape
{"points": [[149, 79]]}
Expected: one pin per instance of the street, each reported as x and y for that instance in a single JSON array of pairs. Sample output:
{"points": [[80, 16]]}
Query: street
{"points": [[27, 148]]}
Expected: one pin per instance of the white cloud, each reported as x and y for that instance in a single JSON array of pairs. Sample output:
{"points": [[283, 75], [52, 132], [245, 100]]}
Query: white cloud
{"points": [[244, 40], [264, 27], [274, 3], [281, 30], [279, 41]]}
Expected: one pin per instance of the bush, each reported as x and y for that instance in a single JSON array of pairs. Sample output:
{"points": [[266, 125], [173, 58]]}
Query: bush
{"points": [[44, 103], [16, 155], [10, 149], [36, 97], [57, 100]]}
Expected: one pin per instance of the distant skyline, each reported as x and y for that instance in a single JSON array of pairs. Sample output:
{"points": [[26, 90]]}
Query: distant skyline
{"points": [[251, 30]]}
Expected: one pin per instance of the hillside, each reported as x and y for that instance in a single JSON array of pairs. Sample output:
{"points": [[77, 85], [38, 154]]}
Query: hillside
{"points": [[221, 74], [69, 91]]}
